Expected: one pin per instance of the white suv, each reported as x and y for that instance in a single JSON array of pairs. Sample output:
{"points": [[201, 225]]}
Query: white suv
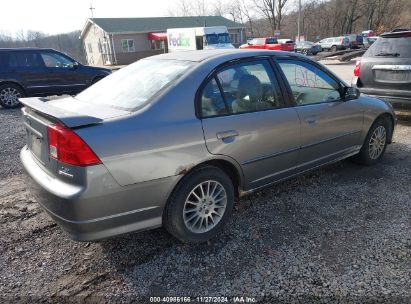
{"points": [[335, 43]]}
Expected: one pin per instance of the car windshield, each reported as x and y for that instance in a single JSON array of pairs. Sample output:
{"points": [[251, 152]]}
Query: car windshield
{"points": [[390, 47], [133, 86], [211, 39], [223, 38]]}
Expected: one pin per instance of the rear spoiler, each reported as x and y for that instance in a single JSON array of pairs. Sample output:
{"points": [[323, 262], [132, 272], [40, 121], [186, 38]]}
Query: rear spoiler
{"points": [[69, 119]]}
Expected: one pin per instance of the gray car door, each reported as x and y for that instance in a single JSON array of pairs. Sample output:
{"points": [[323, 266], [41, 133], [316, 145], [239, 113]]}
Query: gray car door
{"points": [[245, 117], [330, 126]]}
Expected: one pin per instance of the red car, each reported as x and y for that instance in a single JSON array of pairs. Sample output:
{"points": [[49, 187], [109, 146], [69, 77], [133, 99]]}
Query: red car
{"points": [[270, 43]]}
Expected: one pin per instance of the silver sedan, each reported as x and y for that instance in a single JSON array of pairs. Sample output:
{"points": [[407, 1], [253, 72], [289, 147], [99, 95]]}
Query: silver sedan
{"points": [[173, 140]]}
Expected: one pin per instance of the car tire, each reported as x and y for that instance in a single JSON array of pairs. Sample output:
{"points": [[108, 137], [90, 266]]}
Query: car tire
{"points": [[200, 205], [334, 48], [315, 53], [304, 52], [375, 143], [9, 95], [95, 80]]}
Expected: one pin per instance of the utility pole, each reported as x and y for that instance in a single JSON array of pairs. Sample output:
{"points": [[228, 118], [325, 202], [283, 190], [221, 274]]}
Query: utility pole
{"points": [[299, 20], [92, 9]]}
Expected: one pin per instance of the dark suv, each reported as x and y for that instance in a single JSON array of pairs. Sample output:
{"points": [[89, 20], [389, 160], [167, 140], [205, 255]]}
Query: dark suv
{"points": [[384, 71], [31, 72]]}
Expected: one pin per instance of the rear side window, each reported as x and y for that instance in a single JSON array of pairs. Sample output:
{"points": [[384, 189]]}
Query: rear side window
{"points": [[28, 59], [272, 41], [4, 59], [246, 87], [390, 47], [212, 102]]}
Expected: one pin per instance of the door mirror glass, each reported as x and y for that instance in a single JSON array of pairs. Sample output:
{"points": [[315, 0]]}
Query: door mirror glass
{"points": [[351, 93]]}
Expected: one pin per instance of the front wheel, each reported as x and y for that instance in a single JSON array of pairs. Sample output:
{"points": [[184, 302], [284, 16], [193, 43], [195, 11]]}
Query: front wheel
{"points": [[334, 48], [200, 206], [9, 95], [375, 143]]}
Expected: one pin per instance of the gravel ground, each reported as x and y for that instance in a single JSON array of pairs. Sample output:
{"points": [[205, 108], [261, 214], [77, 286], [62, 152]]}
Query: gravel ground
{"points": [[339, 234]]}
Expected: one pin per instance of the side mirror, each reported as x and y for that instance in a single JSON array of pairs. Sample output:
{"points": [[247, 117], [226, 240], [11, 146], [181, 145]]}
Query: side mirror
{"points": [[351, 93], [75, 65]]}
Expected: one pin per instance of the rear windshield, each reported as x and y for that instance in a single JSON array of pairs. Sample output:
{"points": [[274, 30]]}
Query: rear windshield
{"points": [[133, 86], [390, 47], [271, 41]]}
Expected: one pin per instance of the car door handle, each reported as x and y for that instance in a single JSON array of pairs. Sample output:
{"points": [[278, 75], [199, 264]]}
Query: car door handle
{"points": [[311, 121], [227, 134]]}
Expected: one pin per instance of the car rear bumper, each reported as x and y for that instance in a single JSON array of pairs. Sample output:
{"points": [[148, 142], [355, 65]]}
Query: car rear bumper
{"points": [[395, 97], [101, 208]]}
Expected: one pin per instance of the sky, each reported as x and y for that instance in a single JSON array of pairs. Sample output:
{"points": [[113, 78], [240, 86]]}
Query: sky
{"points": [[60, 16]]}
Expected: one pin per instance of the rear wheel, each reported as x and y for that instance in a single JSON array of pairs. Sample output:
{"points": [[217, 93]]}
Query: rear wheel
{"points": [[305, 52], [375, 143], [200, 206], [9, 95], [334, 48]]}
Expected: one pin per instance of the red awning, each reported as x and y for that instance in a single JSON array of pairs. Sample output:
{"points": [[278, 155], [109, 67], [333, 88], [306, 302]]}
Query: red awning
{"points": [[157, 36]]}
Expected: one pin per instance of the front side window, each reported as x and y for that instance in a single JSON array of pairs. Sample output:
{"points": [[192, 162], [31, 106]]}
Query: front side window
{"points": [[54, 60], [308, 83], [246, 87], [127, 45], [133, 86]]}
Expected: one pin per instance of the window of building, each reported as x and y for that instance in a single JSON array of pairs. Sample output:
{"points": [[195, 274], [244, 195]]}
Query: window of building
{"points": [[100, 48], [157, 44], [127, 45], [90, 47], [234, 38]]}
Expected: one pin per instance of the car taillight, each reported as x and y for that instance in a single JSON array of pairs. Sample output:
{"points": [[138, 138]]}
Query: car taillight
{"points": [[67, 147], [357, 68]]}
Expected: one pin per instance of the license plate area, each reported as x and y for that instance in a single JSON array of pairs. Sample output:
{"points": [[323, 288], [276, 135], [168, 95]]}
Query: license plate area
{"points": [[35, 144], [384, 75], [392, 73]]}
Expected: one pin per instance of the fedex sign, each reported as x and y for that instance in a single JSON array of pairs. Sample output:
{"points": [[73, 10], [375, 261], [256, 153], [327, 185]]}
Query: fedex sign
{"points": [[181, 39]]}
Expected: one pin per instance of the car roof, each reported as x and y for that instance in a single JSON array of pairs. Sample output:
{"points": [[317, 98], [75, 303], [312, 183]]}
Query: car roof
{"points": [[203, 55], [26, 49], [396, 34]]}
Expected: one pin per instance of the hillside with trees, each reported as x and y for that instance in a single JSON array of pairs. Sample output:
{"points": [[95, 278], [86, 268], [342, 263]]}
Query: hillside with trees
{"points": [[68, 43]]}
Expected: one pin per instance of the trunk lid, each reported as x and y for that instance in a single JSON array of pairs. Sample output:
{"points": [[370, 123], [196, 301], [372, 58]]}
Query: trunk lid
{"points": [[38, 114]]}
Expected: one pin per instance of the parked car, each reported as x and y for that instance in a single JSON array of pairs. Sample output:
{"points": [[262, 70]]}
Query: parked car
{"points": [[368, 33], [334, 44], [28, 72], [172, 140], [307, 47], [270, 43], [384, 70], [355, 41], [368, 41]]}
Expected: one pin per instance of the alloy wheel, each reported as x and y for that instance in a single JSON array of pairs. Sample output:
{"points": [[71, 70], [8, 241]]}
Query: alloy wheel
{"points": [[204, 206], [377, 142], [10, 96]]}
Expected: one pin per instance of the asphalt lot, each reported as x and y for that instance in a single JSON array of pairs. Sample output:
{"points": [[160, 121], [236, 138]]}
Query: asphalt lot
{"points": [[338, 234]]}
